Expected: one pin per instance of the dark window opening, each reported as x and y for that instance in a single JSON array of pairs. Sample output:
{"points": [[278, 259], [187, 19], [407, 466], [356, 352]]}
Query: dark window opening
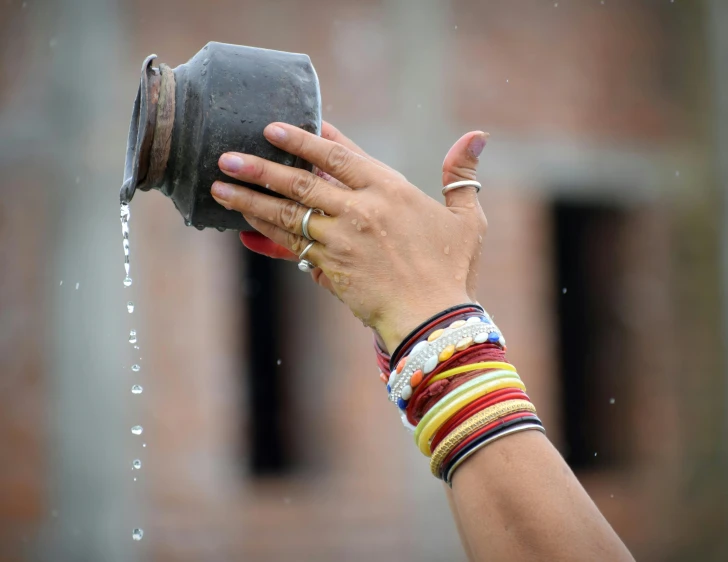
{"points": [[265, 409], [593, 342]]}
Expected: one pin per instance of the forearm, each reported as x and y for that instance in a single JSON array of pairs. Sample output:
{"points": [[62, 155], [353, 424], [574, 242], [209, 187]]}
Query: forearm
{"points": [[517, 499]]}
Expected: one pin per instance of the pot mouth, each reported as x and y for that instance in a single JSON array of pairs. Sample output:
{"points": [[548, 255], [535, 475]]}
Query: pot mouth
{"points": [[141, 130]]}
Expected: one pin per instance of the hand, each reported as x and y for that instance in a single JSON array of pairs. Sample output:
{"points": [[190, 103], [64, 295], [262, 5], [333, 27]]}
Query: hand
{"points": [[391, 253]]}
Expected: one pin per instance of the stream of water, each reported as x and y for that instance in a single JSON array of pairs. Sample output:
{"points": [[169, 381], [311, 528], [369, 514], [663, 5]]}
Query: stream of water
{"points": [[136, 464]]}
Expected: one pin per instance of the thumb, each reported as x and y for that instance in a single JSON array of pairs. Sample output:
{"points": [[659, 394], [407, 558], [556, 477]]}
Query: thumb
{"points": [[461, 164]]}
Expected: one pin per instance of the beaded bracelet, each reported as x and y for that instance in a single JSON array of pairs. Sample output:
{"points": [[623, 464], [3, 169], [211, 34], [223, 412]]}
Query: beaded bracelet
{"points": [[447, 477], [458, 399], [437, 348], [479, 420], [415, 334]]}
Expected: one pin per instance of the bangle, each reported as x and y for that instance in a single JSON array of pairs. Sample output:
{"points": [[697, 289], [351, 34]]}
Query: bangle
{"points": [[479, 420], [479, 353], [428, 353], [458, 399], [485, 432], [465, 368], [510, 431], [473, 408], [425, 324]]}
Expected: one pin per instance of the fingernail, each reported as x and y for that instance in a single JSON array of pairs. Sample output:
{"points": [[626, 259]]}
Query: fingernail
{"points": [[222, 191], [477, 145], [275, 132], [230, 162]]}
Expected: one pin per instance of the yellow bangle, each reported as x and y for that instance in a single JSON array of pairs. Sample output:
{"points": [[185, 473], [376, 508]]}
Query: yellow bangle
{"points": [[473, 367], [473, 424], [457, 400]]}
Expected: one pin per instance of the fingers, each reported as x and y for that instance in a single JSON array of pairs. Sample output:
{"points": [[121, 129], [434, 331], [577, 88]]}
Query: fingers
{"points": [[260, 244], [292, 183], [292, 242], [333, 158], [284, 213], [461, 164]]}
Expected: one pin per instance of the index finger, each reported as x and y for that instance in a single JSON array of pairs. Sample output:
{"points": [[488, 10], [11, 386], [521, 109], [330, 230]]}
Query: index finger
{"points": [[333, 158]]}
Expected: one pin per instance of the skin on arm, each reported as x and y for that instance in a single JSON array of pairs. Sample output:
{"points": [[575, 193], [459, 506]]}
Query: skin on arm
{"points": [[396, 257]]}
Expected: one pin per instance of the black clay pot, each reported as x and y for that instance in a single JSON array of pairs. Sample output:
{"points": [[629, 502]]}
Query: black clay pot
{"points": [[221, 100]]}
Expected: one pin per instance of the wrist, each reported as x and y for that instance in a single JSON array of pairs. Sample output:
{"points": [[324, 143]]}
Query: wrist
{"points": [[393, 330]]}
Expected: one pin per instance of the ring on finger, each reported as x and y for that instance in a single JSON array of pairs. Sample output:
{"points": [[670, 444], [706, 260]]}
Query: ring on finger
{"points": [[458, 184], [304, 222], [304, 264]]}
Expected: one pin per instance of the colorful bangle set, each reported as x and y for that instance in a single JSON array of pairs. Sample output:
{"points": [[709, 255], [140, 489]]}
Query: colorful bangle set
{"points": [[454, 389]]}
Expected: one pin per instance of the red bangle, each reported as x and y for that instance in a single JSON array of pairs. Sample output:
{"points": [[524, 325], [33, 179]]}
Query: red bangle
{"points": [[474, 407], [474, 354], [483, 431]]}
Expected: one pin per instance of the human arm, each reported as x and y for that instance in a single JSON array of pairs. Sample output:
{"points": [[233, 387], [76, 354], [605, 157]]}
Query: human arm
{"points": [[395, 257]]}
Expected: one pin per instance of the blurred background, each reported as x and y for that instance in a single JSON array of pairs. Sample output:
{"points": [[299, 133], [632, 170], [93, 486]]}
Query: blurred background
{"points": [[267, 435]]}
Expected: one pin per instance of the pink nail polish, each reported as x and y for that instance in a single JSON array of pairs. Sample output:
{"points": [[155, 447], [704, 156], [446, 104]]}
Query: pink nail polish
{"points": [[231, 163], [275, 132], [476, 146]]}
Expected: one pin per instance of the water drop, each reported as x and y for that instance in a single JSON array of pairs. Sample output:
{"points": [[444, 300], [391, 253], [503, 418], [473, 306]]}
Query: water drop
{"points": [[61, 283], [127, 281], [279, 362], [137, 534], [130, 307], [136, 368], [199, 227], [24, 5], [563, 291], [136, 347], [612, 400], [677, 174], [78, 285], [132, 336], [205, 62], [188, 223], [134, 479], [54, 513], [52, 43], [447, 250], [419, 106], [144, 444], [204, 71], [137, 430], [220, 228], [506, 80], [136, 389], [610, 495], [595, 454], [136, 464]]}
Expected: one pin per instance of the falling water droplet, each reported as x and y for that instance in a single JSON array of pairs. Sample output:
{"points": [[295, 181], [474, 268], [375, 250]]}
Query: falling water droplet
{"points": [[130, 307], [136, 368], [136, 347], [595, 454], [279, 362], [144, 444], [134, 479], [677, 174], [188, 223], [612, 400], [137, 534], [61, 282], [136, 464], [136, 389], [127, 281], [132, 336], [137, 430], [78, 285], [563, 291]]}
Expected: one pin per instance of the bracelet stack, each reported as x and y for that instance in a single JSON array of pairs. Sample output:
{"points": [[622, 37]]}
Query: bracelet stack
{"points": [[454, 388]]}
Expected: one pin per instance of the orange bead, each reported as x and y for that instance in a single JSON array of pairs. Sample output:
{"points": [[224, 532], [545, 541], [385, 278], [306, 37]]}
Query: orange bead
{"points": [[384, 378], [446, 353], [457, 324], [434, 335], [401, 364], [416, 378]]}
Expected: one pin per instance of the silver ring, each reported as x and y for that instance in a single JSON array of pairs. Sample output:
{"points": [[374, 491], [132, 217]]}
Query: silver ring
{"points": [[304, 222], [458, 184], [303, 264]]}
